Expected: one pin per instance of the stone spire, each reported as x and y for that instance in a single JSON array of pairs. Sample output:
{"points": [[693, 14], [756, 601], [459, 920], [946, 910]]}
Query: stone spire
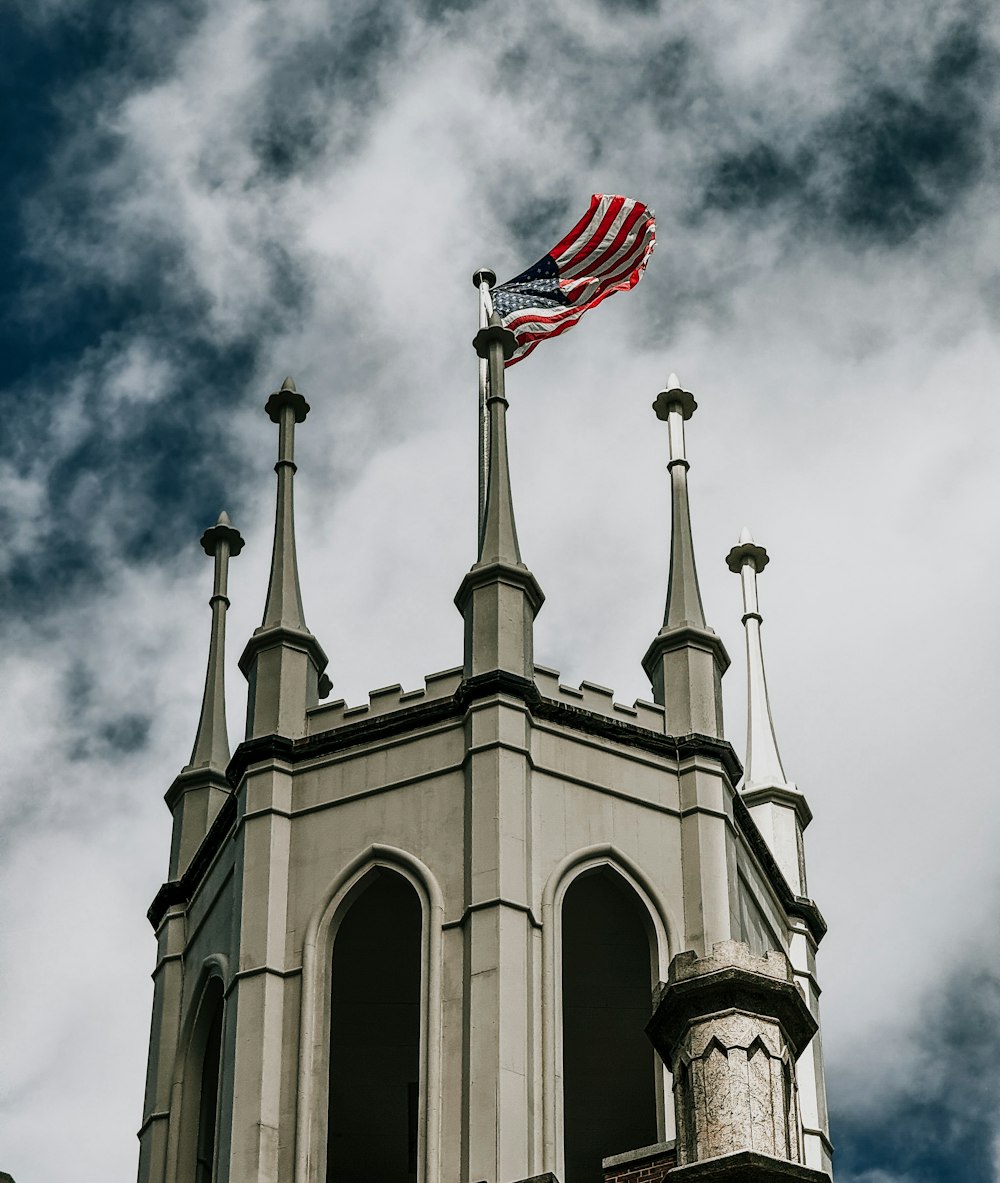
{"points": [[197, 794], [283, 661], [499, 597], [780, 810], [686, 660]]}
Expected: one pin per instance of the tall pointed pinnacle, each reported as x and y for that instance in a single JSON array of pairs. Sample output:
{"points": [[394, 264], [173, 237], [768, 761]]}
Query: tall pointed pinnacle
{"points": [[283, 661], [780, 810], [197, 794], [499, 597], [686, 660]]}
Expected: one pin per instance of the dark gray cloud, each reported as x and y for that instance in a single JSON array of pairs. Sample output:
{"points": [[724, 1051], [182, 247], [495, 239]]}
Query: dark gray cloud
{"points": [[938, 1125], [898, 155]]}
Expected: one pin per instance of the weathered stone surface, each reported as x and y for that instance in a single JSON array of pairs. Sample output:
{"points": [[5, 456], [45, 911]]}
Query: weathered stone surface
{"points": [[746, 1167], [730, 978], [729, 1026]]}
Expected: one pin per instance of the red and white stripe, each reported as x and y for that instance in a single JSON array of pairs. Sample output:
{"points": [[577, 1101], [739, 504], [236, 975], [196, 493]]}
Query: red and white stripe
{"points": [[605, 252]]}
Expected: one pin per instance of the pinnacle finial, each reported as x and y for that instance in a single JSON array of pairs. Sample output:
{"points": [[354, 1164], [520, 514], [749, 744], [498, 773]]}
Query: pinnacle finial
{"points": [[684, 605], [287, 684], [674, 398], [222, 530], [286, 396], [499, 597], [211, 746], [763, 763], [498, 536], [776, 805], [197, 794], [747, 551], [686, 660]]}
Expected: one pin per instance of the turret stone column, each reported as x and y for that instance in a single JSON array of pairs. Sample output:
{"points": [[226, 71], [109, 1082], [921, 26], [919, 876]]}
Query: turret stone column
{"points": [[730, 1027], [686, 660], [283, 662], [196, 796]]}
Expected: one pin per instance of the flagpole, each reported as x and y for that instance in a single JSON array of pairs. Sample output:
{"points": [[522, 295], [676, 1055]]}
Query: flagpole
{"points": [[484, 279]]}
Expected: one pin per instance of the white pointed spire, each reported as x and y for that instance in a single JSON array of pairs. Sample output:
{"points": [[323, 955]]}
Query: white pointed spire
{"points": [[763, 763], [776, 805]]}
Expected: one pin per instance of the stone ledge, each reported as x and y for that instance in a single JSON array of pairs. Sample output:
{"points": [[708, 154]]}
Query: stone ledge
{"points": [[647, 1164], [747, 1166]]}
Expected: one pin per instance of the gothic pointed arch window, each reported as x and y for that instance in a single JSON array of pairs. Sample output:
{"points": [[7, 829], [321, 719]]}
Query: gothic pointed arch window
{"points": [[200, 1106], [374, 1095], [609, 1066]]}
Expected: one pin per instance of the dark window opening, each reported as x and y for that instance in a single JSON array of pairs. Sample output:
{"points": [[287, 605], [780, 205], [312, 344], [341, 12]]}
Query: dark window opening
{"points": [[609, 1066], [375, 1037], [208, 1103]]}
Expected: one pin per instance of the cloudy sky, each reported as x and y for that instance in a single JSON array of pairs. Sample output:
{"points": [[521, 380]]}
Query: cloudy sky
{"points": [[200, 196]]}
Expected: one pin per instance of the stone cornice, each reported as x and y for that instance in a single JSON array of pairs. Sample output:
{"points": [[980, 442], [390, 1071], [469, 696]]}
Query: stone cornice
{"points": [[180, 891], [498, 571], [681, 1002], [195, 778], [779, 795], [265, 749], [683, 636], [795, 905], [272, 636]]}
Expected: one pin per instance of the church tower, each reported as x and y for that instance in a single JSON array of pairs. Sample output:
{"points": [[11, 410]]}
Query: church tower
{"points": [[494, 929]]}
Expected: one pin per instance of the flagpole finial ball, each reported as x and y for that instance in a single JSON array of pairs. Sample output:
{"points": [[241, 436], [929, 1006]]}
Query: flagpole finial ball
{"points": [[484, 275], [682, 400]]}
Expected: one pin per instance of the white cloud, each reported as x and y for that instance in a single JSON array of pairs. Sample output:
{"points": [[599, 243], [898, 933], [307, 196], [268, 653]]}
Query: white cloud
{"points": [[847, 414]]}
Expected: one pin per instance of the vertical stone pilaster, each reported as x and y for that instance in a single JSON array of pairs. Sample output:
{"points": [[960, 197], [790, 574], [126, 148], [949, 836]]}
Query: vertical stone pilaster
{"points": [[258, 998], [168, 984], [499, 1116], [708, 854], [818, 1150]]}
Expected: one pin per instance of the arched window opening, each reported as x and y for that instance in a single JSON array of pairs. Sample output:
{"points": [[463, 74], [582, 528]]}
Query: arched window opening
{"points": [[201, 1104], [375, 1036], [609, 1066]]}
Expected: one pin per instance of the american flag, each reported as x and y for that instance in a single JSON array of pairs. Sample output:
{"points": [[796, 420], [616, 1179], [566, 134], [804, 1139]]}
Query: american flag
{"points": [[605, 252]]}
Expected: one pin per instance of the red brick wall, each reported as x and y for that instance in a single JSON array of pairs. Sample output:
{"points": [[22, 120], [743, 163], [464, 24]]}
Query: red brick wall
{"points": [[652, 1169]]}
